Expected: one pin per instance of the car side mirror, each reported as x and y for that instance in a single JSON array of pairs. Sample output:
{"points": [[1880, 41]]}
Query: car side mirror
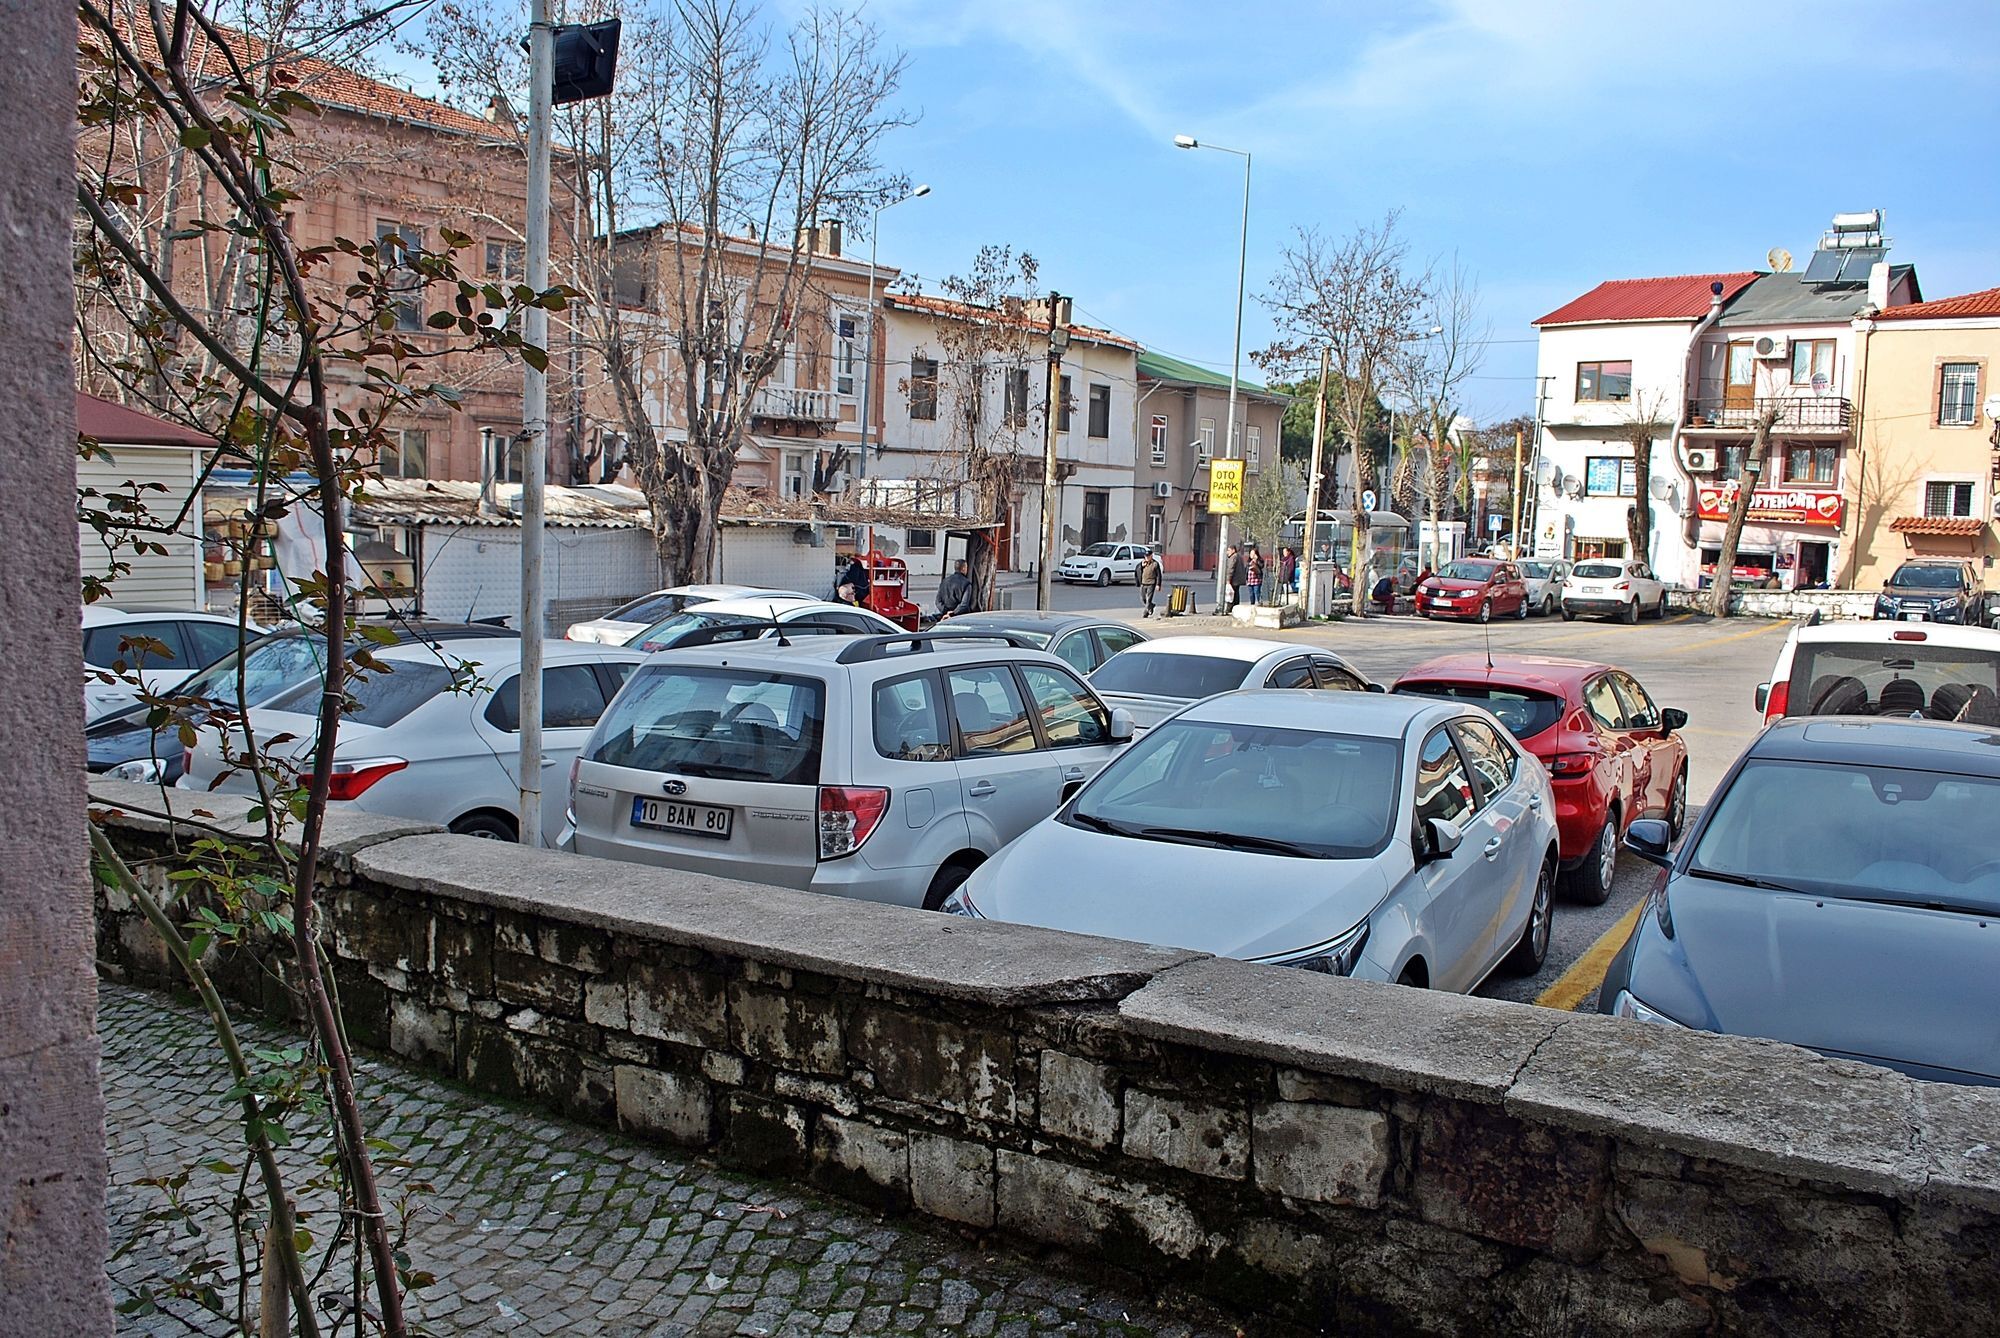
{"points": [[1121, 725], [1763, 697], [1648, 838], [1674, 718], [1442, 837], [1376, 687]]}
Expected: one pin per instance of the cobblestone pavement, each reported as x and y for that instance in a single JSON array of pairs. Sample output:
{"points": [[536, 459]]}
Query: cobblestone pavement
{"points": [[533, 1225]]}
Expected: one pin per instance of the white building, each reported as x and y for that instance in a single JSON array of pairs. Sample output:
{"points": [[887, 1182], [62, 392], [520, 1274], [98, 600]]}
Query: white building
{"points": [[159, 463]]}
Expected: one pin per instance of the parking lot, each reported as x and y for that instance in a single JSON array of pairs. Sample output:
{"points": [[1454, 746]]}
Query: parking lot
{"points": [[1707, 667]]}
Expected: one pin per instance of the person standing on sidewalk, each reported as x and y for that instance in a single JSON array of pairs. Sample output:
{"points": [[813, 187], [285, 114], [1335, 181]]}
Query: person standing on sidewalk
{"points": [[1150, 576], [956, 593], [1253, 575], [1234, 565]]}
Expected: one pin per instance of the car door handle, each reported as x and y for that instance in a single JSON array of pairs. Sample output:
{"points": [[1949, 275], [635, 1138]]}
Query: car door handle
{"points": [[1072, 773], [1535, 802], [980, 789], [1493, 848]]}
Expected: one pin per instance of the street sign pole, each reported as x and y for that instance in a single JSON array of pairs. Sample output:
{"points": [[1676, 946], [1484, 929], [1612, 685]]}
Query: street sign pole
{"points": [[535, 420]]}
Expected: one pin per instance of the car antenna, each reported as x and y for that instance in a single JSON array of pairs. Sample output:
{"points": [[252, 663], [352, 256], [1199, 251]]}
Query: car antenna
{"points": [[1488, 629], [777, 626]]}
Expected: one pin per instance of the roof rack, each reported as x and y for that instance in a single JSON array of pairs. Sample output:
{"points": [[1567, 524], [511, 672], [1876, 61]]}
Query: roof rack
{"points": [[881, 647], [751, 631]]}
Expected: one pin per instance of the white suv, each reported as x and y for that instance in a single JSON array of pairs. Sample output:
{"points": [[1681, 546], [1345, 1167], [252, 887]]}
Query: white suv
{"points": [[1617, 586], [1102, 564], [884, 767]]}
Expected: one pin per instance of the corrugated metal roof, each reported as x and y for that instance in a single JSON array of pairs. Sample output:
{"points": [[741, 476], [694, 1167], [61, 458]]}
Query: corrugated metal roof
{"points": [[1986, 302], [1787, 299], [456, 502], [1680, 297], [1160, 367]]}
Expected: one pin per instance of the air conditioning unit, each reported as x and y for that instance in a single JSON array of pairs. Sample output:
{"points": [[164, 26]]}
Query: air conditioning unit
{"points": [[1772, 347], [1163, 490], [1700, 460]]}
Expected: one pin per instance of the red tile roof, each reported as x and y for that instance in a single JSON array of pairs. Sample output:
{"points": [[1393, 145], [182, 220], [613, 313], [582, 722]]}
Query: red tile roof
{"points": [[1959, 527], [1680, 297], [1983, 303], [111, 424], [943, 306]]}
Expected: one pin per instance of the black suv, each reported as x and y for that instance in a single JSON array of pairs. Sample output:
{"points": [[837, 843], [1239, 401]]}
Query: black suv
{"points": [[1936, 592]]}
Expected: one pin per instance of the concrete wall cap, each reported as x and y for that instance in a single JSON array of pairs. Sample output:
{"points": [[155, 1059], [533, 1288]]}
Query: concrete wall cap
{"points": [[981, 961], [347, 829], [1960, 1143]]}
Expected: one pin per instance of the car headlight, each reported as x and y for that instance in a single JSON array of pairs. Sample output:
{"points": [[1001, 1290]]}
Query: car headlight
{"points": [[145, 770], [1625, 1005], [1337, 958]]}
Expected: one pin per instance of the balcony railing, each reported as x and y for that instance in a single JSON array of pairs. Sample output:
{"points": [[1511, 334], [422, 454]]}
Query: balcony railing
{"points": [[795, 404], [1801, 413]]}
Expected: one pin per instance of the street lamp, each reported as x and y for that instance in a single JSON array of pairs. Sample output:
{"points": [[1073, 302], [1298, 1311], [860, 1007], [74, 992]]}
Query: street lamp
{"points": [[1236, 353], [868, 363]]}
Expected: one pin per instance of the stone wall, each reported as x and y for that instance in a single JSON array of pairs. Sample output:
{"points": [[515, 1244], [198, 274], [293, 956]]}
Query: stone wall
{"points": [[1830, 605], [1344, 1155]]}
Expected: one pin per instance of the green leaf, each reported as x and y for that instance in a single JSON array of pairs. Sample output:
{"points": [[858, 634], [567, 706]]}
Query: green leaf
{"points": [[441, 320], [378, 633], [194, 137], [535, 357]]}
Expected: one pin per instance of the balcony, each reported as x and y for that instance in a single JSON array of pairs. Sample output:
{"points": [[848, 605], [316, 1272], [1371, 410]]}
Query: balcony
{"points": [[1796, 414], [792, 404]]}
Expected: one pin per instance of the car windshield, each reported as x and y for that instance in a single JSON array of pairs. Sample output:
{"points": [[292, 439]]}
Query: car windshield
{"points": [[269, 667], [378, 696], [1186, 677], [670, 632], [1926, 578], [1100, 550], [1871, 833], [1538, 571], [1598, 570], [1921, 678], [652, 608], [731, 724], [1272, 790], [1468, 571], [1523, 711]]}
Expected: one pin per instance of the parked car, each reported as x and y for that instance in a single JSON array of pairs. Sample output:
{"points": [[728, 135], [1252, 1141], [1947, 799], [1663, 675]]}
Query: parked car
{"points": [[885, 768], [1545, 579], [438, 736], [1618, 587], [1084, 642], [753, 618], [1156, 678], [619, 626], [1840, 892], [1613, 757], [1386, 838], [1882, 668], [1101, 564], [1477, 588], [1934, 591], [127, 745], [160, 648]]}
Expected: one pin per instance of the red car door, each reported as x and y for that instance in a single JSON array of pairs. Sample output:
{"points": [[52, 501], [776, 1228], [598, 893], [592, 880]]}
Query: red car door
{"points": [[1663, 751], [1630, 764]]}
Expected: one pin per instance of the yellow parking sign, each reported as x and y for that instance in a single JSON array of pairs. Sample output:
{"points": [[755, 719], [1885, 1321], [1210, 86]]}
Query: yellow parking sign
{"points": [[1225, 487]]}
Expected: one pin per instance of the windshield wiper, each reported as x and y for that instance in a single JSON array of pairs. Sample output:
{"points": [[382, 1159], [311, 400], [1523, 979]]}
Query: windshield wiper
{"points": [[1745, 880], [1227, 840], [1097, 824]]}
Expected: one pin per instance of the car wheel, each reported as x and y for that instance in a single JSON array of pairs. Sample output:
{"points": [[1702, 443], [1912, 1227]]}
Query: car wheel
{"points": [[486, 826], [1629, 615], [1569, 614], [949, 879], [1590, 882], [1677, 804], [1522, 612], [1103, 576], [1660, 613], [1413, 976], [1549, 607], [1533, 949], [1486, 611]]}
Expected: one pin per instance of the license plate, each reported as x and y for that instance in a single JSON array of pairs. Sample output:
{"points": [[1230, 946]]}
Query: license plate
{"points": [[1913, 617], [670, 815]]}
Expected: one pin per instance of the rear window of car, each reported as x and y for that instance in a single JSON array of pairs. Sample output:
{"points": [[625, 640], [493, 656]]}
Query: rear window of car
{"points": [[1523, 711], [1897, 678], [1597, 570], [670, 632], [377, 696], [1187, 677], [727, 723], [650, 608]]}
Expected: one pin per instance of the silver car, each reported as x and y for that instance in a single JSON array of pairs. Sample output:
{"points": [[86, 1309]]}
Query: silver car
{"points": [[1386, 838], [1154, 679], [1545, 578], [881, 767]]}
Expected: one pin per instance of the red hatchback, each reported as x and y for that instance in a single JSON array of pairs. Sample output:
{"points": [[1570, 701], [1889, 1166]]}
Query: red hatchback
{"points": [[1476, 588], [1612, 755]]}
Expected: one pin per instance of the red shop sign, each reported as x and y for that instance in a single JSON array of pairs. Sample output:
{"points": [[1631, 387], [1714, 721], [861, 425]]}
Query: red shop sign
{"points": [[1788, 506]]}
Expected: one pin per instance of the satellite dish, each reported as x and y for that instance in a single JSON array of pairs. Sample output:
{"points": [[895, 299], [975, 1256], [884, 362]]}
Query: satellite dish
{"points": [[1572, 485], [1659, 488], [1545, 473], [1993, 407], [1779, 259]]}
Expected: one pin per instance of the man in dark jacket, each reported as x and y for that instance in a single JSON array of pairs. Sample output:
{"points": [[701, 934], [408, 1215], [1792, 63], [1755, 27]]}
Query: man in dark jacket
{"points": [[956, 593], [1237, 573], [1150, 574], [852, 585]]}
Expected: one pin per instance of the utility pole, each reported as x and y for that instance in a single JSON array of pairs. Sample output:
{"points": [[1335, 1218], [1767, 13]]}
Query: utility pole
{"points": [[1517, 494], [535, 420], [1058, 341], [1312, 480]]}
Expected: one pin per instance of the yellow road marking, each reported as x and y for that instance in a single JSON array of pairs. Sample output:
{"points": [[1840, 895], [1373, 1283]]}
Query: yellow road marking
{"points": [[1763, 630], [1586, 973]]}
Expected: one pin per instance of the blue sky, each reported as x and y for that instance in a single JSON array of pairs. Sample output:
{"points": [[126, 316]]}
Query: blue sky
{"points": [[1548, 145]]}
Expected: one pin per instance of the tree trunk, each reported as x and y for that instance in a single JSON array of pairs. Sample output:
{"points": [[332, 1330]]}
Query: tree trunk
{"points": [[1639, 525], [1357, 554], [1739, 511]]}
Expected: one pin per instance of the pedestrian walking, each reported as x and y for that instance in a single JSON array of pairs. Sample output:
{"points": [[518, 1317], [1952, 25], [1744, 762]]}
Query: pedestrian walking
{"points": [[1233, 564], [1253, 575], [851, 587], [1288, 569], [956, 593], [1150, 576]]}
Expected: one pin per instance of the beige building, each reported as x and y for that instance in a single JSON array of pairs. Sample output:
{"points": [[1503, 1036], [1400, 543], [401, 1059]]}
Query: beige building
{"points": [[1928, 450], [1183, 424]]}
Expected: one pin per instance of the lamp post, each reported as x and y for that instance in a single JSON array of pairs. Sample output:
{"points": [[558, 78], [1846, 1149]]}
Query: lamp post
{"points": [[1059, 314], [1236, 352], [868, 363]]}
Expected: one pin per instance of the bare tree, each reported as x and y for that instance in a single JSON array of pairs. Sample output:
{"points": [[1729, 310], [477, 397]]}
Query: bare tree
{"points": [[1354, 298], [1431, 373], [1739, 508], [1644, 422]]}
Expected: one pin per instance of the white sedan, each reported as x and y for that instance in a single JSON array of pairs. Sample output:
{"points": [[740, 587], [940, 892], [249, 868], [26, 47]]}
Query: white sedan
{"points": [[439, 736], [749, 619], [1101, 564], [628, 620], [1154, 679], [1386, 838], [159, 650]]}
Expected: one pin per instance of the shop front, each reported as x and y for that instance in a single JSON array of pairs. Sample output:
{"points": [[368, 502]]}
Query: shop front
{"points": [[1790, 540]]}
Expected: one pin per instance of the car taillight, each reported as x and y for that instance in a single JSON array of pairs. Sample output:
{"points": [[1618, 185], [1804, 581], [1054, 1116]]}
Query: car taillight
{"points": [[1776, 701], [1571, 764], [1622, 585], [847, 815], [350, 780]]}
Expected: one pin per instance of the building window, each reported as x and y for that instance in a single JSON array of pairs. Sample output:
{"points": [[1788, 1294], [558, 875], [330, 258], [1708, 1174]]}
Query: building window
{"points": [[1610, 476], [1159, 438], [505, 261], [1948, 500], [1100, 410], [1156, 524], [792, 482], [923, 389], [1810, 464], [1812, 362], [1205, 442], [922, 541], [1062, 405], [503, 454], [398, 247], [1603, 381], [405, 453], [1015, 410], [1958, 394], [1253, 445], [1732, 458], [846, 352]]}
